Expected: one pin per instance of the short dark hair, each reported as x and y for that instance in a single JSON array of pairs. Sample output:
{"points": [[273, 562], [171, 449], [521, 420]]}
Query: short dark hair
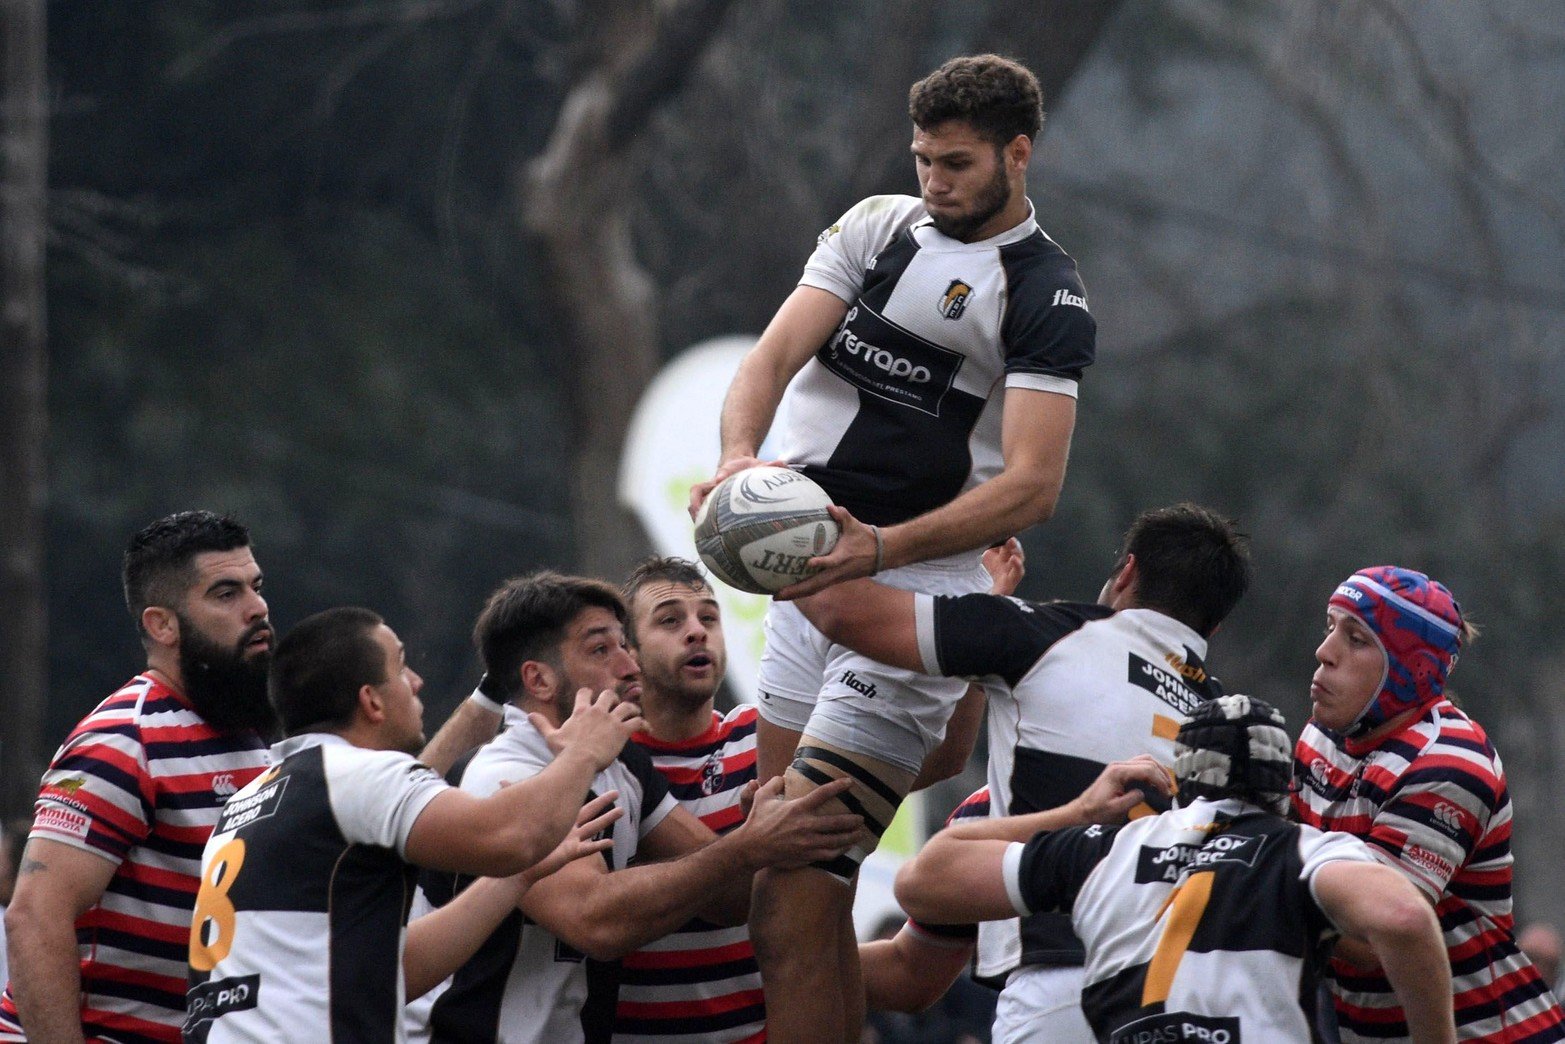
{"points": [[319, 667], [656, 570], [526, 620], [159, 561], [998, 97], [1191, 563]]}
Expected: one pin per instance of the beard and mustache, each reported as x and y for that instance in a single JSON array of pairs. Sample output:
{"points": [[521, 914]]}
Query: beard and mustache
{"points": [[226, 687], [990, 200]]}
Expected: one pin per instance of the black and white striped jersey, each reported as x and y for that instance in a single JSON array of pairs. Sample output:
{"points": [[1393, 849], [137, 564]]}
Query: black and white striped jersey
{"points": [[1200, 923], [300, 919], [524, 984], [898, 411], [1071, 686]]}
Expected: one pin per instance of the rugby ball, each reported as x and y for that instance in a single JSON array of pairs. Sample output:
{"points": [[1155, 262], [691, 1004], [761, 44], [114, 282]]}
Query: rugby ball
{"points": [[760, 527]]}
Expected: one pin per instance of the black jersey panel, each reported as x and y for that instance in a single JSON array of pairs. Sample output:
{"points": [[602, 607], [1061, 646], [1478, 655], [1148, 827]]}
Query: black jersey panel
{"points": [[654, 785], [371, 891], [1047, 328], [1056, 864], [983, 634], [1039, 781], [469, 1012], [288, 859], [597, 1011], [1257, 861]]}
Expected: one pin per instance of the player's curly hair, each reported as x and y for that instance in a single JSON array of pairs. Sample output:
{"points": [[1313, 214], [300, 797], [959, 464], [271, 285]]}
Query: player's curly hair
{"points": [[998, 97]]}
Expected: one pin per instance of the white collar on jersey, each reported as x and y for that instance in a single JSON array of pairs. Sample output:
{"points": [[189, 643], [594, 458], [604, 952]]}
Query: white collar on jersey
{"points": [[304, 741]]}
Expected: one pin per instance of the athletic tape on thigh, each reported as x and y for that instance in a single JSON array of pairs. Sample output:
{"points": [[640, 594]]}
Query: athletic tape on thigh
{"points": [[807, 762], [849, 767]]}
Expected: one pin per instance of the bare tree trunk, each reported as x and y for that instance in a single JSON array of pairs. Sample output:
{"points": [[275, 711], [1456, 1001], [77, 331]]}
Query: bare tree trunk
{"points": [[23, 422], [576, 199]]}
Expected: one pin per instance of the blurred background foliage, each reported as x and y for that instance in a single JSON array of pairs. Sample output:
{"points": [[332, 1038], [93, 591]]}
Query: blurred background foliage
{"points": [[295, 271]]}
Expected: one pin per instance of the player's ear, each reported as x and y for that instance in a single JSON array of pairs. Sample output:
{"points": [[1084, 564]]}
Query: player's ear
{"points": [[539, 680], [1018, 152], [1125, 580], [371, 708], [161, 625]]}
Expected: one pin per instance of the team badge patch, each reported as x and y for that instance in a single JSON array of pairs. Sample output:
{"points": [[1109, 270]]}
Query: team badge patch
{"points": [[711, 777], [954, 302]]}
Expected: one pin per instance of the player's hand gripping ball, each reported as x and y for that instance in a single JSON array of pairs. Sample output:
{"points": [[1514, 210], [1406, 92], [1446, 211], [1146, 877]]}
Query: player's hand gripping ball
{"points": [[761, 525]]}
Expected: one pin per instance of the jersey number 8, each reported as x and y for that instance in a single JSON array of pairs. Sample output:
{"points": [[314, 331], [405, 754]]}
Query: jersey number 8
{"points": [[212, 929]]}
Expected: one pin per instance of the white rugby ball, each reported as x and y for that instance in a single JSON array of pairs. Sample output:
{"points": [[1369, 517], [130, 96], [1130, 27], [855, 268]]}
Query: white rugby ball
{"points": [[761, 525]]}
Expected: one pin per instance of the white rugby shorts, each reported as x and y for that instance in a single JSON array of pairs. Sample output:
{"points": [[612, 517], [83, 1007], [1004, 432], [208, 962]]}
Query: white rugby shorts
{"points": [[807, 684]]}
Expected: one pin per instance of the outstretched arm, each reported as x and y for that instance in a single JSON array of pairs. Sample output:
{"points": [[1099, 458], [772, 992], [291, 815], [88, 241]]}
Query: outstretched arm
{"points": [[607, 915], [515, 827], [443, 940], [910, 971], [869, 618], [957, 877], [471, 725]]}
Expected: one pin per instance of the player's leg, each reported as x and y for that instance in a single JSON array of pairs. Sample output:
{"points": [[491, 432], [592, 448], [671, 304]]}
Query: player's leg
{"points": [[774, 747], [802, 919], [787, 683]]}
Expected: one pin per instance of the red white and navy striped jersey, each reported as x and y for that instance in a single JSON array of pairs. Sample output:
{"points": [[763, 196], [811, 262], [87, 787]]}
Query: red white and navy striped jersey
{"points": [[140, 781], [1431, 800], [699, 985]]}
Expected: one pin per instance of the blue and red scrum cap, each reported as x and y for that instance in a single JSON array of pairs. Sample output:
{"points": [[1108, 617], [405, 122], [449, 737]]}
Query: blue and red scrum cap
{"points": [[1418, 625]]}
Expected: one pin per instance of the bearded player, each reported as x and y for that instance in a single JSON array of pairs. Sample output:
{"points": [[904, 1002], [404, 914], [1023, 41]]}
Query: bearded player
{"points": [[937, 343]]}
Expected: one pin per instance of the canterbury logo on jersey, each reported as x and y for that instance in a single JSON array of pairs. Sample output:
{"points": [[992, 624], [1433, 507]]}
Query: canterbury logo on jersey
{"points": [[1065, 297], [954, 301], [892, 363]]}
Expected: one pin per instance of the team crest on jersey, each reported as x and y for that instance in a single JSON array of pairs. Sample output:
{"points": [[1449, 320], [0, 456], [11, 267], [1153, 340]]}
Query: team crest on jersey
{"points": [[712, 777], [954, 302], [820, 240]]}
